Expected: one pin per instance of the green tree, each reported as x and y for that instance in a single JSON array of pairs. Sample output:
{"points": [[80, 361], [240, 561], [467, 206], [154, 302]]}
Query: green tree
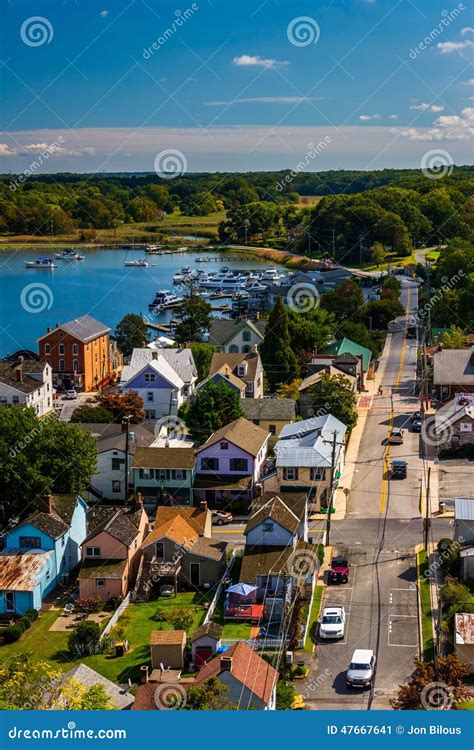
{"points": [[285, 695], [214, 405], [202, 354], [358, 332], [378, 253], [455, 338], [84, 639], [344, 302], [194, 318], [309, 331], [131, 333], [67, 455], [334, 392], [381, 312], [210, 696], [91, 414], [279, 360]]}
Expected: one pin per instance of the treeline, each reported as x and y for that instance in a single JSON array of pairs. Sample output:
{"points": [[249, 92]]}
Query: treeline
{"points": [[451, 288]]}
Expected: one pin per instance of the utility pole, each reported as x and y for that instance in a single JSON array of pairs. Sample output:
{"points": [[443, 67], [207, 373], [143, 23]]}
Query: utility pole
{"points": [[360, 248], [309, 238], [427, 510], [428, 285], [126, 421], [334, 443]]}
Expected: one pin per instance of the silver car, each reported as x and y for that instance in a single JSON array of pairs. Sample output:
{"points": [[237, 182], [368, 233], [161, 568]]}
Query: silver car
{"points": [[361, 670]]}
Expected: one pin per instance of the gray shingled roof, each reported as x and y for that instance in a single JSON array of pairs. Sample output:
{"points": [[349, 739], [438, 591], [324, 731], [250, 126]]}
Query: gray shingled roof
{"points": [[454, 366], [85, 328], [8, 377], [121, 523], [89, 677], [269, 408], [223, 329]]}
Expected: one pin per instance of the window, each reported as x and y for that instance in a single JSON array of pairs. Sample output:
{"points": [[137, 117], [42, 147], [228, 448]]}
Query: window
{"points": [[178, 474], [149, 396], [272, 429], [224, 445], [163, 474], [159, 550], [48, 575], [75, 365], [75, 349], [150, 377], [268, 526], [249, 388], [209, 464], [116, 484], [245, 349], [117, 463], [61, 349], [238, 464], [15, 399], [47, 348], [241, 370], [63, 541], [290, 473], [30, 541], [246, 335], [233, 349], [92, 551], [150, 414], [61, 365], [317, 472], [99, 582]]}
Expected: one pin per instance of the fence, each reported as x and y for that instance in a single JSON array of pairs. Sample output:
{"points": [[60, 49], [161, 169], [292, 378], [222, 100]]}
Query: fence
{"points": [[118, 613], [260, 643], [213, 604]]}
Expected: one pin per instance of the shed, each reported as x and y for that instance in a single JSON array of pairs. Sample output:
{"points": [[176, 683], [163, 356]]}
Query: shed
{"points": [[205, 642], [464, 639], [464, 520], [167, 648]]}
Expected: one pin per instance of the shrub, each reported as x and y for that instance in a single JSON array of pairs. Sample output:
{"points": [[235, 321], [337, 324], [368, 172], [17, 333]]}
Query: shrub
{"points": [[114, 601], [90, 604], [31, 614], [160, 615], [25, 622], [285, 695], [84, 639], [12, 633], [182, 618]]}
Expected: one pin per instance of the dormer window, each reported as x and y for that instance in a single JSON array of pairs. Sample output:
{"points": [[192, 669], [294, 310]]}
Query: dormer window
{"points": [[242, 369], [268, 526]]}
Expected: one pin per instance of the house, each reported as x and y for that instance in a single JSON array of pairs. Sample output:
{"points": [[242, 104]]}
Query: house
{"points": [[309, 403], [204, 642], [467, 562], [229, 464], [108, 481], [225, 375], [81, 354], [346, 347], [453, 372], [40, 552], [454, 422], [464, 639], [250, 680], [234, 336], [276, 538], [167, 648], [86, 677], [271, 414], [111, 551], [247, 367], [28, 383], [464, 520], [346, 364], [180, 550], [164, 475], [163, 378], [303, 459]]}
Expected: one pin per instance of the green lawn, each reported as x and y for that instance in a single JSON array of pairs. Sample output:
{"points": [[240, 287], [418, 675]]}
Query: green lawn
{"points": [[466, 706], [52, 647], [426, 615], [392, 260], [313, 618]]}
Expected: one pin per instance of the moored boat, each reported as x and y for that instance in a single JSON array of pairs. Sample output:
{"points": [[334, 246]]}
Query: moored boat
{"points": [[136, 263], [41, 263], [69, 253]]}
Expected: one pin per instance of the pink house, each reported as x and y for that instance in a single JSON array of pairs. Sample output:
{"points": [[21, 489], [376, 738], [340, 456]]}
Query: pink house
{"points": [[111, 551]]}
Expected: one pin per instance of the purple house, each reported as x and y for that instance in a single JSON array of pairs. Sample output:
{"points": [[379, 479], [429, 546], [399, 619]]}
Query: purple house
{"points": [[230, 463]]}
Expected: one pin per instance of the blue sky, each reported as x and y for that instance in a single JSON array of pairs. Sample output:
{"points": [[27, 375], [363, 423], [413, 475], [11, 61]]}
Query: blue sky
{"points": [[107, 84]]}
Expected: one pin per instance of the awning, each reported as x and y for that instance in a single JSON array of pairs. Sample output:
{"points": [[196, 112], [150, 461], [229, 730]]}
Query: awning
{"points": [[244, 589]]}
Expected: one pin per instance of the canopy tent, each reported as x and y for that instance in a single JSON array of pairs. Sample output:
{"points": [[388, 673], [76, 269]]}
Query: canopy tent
{"points": [[244, 589]]}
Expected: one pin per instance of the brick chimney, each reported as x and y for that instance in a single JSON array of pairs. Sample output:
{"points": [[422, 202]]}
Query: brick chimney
{"points": [[203, 504], [46, 504], [19, 370], [226, 663], [154, 354]]}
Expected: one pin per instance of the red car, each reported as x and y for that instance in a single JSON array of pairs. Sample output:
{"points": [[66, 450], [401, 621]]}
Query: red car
{"points": [[339, 570]]}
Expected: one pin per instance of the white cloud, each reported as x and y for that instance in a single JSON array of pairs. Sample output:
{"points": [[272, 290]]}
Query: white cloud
{"points": [[5, 150], [425, 107], [263, 62], [448, 47], [52, 149], [393, 117], [364, 118], [104, 13], [469, 82], [263, 100], [446, 128], [467, 30]]}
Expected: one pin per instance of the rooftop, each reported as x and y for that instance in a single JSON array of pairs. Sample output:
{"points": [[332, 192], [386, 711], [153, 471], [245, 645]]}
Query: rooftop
{"points": [[212, 629], [121, 523], [175, 364], [464, 628], [242, 433], [347, 346], [269, 408], [182, 525], [8, 376], [168, 638], [263, 560], [223, 330], [454, 366], [277, 510], [20, 570], [308, 443], [464, 508], [164, 458], [106, 569], [88, 677], [84, 328], [233, 360]]}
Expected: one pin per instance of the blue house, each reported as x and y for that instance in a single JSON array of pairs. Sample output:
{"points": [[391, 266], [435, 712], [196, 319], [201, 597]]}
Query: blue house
{"points": [[40, 552]]}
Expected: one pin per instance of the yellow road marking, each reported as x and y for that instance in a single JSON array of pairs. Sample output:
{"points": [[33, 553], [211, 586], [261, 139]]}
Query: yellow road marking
{"points": [[386, 457]]}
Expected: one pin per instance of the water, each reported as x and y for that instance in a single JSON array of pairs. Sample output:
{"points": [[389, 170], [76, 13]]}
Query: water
{"points": [[33, 299]]}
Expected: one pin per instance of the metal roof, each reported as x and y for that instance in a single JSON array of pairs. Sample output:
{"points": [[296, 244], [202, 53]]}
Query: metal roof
{"points": [[464, 508], [306, 443], [20, 570]]}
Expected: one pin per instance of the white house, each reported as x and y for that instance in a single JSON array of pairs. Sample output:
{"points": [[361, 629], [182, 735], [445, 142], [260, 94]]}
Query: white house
{"points": [[27, 383], [164, 379]]}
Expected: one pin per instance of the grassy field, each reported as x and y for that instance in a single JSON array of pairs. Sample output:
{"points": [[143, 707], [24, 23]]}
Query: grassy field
{"points": [[425, 599], [313, 618], [392, 260]]}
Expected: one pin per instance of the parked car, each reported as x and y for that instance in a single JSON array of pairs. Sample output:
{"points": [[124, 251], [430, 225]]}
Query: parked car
{"points": [[396, 436], [399, 469], [333, 622], [221, 517], [415, 416], [70, 395], [416, 425], [361, 669], [339, 570]]}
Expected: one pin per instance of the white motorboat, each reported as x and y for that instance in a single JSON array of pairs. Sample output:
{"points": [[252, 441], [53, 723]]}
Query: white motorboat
{"points": [[186, 274], [164, 298], [223, 282], [271, 274], [136, 263], [41, 263], [69, 253]]}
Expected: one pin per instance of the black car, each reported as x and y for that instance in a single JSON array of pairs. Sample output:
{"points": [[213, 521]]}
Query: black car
{"points": [[399, 470], [416, 416], [416, 425]]}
